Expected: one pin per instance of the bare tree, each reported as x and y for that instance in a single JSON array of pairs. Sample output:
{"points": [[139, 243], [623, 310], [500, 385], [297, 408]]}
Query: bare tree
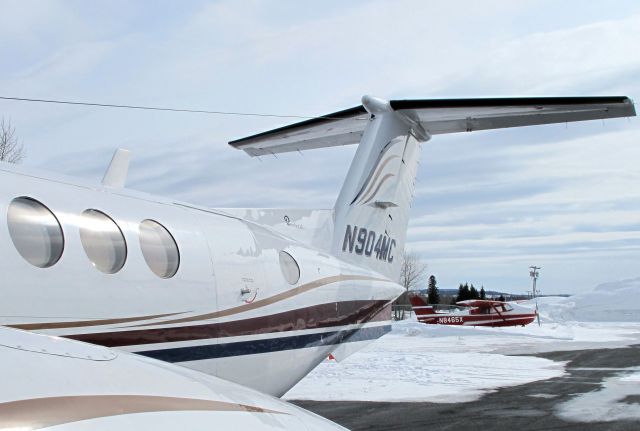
{"points": [[413, 271], [10, 149], [413, 274]]}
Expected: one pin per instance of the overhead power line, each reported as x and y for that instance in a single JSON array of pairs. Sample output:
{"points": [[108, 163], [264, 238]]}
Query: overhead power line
{"points": [[157, 108]]}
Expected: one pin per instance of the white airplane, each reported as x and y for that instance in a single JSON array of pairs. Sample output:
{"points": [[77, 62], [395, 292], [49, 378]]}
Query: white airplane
{"points": [[122, 310]]}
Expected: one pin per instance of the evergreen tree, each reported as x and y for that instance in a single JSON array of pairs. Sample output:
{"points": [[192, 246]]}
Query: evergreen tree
{"points": [[432, 292], [483, 294], [473, 293], [466, 294], [501, 298], [460, 296]]}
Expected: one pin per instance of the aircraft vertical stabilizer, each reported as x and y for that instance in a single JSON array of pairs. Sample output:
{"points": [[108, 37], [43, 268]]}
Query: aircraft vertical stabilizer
{"points": [[371, 213], [372, 209]]}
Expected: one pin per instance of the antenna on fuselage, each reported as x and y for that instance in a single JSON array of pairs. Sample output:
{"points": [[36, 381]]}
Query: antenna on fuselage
{"points": [[116, 173]]}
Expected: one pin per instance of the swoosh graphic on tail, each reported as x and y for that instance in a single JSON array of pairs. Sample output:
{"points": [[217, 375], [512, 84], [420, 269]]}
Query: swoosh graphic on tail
{"points": [[385, 178]]}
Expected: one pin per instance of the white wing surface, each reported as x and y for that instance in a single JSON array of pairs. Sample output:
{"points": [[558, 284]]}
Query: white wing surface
{"points": [[437, 116], [61, 384]]}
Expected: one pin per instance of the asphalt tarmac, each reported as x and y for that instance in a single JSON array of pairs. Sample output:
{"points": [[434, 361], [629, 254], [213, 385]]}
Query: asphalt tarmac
{"points": [[520, 408]]}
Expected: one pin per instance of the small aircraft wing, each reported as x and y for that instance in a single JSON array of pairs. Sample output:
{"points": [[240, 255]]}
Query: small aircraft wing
{"points": [[437, 116], [480, 303]]}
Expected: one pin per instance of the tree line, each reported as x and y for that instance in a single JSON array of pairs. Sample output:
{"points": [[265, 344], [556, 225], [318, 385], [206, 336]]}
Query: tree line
{"points": [[466, 292], [412, 275]]}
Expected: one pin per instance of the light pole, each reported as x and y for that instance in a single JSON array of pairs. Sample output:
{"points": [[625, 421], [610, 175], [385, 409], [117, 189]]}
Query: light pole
{"points": [[533, 273]]}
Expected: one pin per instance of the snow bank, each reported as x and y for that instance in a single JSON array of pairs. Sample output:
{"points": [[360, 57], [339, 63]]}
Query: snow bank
{"points": [[609, 302], [405, 366], [438, 363]]}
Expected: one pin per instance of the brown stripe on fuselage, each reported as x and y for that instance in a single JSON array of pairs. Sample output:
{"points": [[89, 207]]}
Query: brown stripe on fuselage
{"points": [[315, 317], [222, 313], [37, 413], [273, 299], [83, 323]]}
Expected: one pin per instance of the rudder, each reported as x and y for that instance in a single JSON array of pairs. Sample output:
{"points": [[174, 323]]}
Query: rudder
{"points": [[372, 209]]}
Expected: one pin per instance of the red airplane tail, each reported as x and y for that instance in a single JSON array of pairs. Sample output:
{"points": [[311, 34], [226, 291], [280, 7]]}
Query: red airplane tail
{"points": [[420, 307]]}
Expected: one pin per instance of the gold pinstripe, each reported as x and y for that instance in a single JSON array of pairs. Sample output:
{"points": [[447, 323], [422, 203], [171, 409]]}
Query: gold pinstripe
{"points": [[38, 413]]}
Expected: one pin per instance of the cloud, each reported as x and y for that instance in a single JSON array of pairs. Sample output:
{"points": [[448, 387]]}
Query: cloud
{"points": [[563, 200], [487, 204]]}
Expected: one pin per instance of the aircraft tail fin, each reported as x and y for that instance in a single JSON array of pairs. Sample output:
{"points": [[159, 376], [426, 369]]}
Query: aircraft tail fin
{"points": [[420, 306], [372, 209]]}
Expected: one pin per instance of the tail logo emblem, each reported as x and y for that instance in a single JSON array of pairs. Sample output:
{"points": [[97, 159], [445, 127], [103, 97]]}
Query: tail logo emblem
{"points": [[371, 188]]}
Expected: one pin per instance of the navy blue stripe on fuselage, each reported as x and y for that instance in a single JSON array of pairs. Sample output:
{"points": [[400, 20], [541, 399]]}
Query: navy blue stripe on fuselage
{"points": [[266, 345]]}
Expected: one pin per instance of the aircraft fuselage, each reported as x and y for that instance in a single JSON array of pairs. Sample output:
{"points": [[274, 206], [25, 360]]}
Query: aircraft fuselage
{"points": [[230, 310]]}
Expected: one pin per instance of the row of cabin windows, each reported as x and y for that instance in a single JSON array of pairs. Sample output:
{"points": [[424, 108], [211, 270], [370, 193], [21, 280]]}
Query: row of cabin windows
{"points": [[38, 237]]}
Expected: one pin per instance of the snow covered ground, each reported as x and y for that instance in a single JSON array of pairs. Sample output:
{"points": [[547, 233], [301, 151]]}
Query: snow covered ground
{"points": [[607, 404], [418, 362]]}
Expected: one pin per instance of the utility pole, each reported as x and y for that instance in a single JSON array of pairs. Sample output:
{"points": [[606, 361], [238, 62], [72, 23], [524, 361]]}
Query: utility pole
{"points": [[533, 273]]}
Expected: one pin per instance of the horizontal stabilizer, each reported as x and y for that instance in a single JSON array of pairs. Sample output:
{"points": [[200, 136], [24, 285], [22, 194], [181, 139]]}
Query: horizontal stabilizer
{"points": [[340, 128], [436, 116]]}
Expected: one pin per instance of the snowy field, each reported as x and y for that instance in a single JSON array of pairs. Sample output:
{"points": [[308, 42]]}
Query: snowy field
{"points": [[434, 363]]}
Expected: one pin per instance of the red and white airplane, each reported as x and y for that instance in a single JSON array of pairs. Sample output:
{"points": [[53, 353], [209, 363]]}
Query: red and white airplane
{"points": [[473, 312]]}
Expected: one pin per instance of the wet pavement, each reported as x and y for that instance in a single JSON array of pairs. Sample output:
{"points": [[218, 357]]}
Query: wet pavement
{"points": [[541, 405]]}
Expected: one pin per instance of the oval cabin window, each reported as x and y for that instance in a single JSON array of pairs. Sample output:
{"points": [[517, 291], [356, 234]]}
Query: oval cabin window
{"points": [[289, 267], [35, 232], [103, 241], [159, 249]]}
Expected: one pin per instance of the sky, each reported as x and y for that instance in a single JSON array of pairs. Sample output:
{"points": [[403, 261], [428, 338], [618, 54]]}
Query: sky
{"points": [[488, 204]]}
